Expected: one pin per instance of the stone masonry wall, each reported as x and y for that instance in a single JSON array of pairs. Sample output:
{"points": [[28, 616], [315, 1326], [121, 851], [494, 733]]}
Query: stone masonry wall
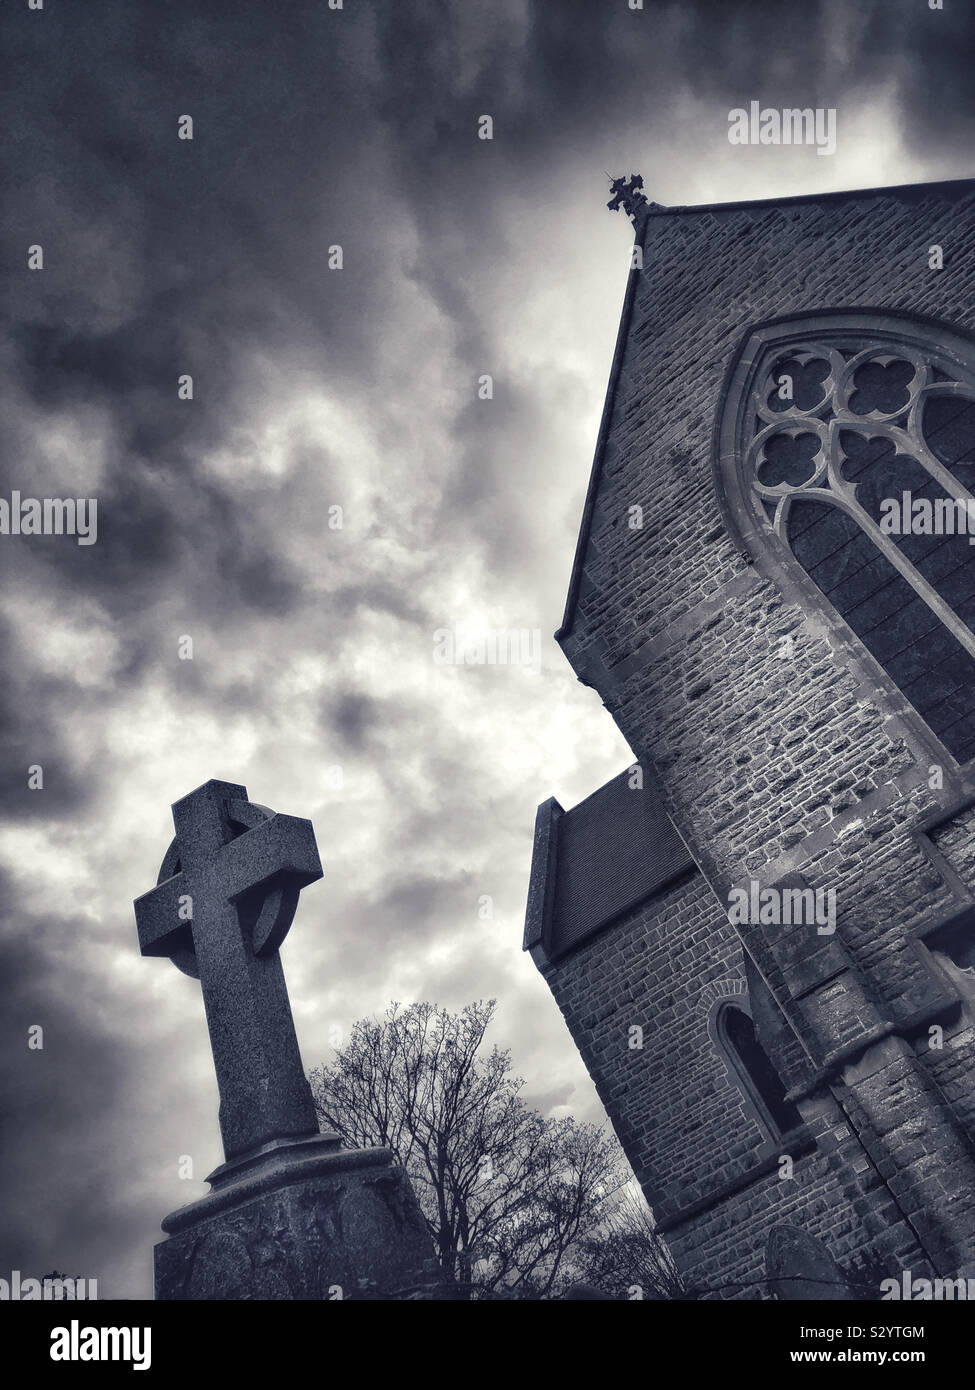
{"points": [[809, 764], [682, 1119]]}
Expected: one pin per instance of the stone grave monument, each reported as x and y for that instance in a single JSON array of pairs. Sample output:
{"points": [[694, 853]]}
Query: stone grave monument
{"points": [[291, 1214], [799, 1267]]}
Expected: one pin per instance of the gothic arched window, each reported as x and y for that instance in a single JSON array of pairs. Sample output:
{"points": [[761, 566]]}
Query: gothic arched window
{"points": [[847, 441], [752, 1070]]}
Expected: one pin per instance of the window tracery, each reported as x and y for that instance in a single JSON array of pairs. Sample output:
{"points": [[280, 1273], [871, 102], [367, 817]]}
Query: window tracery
{"points": [[858, 452]]}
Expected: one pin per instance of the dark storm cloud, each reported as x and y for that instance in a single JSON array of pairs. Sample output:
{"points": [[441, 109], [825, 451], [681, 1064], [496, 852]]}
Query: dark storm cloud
{"points": [[226, 236], [63, 1125], [34, 715], [354, 717], [313, 128]]}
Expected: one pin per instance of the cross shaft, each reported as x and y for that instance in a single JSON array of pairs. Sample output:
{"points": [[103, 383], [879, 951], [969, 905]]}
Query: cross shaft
{"points": [[221, 917]]}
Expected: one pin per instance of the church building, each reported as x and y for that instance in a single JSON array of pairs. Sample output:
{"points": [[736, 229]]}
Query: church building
{"points": [[762, 934]]}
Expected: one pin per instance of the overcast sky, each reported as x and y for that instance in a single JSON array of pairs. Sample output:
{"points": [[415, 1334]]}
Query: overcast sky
{"points": [[316, 388]]}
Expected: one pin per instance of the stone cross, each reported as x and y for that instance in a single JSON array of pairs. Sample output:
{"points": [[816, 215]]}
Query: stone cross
{"points": [[225, 898], [627, 195]]}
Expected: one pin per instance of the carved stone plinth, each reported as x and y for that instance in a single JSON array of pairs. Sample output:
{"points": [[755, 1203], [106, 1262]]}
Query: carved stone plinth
{"points": [[303, 1219]]}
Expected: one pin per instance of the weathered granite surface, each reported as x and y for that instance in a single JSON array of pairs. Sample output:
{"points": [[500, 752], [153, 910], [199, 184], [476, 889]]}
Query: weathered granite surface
{"points": [[303, 1221], [291, 1214], [226, 896], [800, 1267]]}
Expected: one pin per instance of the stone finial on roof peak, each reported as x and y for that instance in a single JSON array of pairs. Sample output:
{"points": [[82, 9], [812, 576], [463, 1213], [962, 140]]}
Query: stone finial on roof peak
{"points": [[627, 194]]}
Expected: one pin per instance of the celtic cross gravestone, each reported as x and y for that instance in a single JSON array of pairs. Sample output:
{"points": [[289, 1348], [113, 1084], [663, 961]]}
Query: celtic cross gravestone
{"points": [[291, 1214], [226, 897]]}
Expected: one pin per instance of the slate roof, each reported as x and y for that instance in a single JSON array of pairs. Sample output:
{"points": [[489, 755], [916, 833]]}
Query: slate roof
{"points": [[595, 863]]}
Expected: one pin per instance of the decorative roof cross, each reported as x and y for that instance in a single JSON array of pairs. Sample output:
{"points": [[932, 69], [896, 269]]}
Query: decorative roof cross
{"points": [[627, 195]]}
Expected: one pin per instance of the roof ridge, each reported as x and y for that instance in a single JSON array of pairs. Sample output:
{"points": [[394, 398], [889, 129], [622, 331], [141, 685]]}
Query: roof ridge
{"points": [[663, 209]]}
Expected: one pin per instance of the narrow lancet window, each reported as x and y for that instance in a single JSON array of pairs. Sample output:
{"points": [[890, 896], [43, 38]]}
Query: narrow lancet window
{"points": [[754, 1072]]}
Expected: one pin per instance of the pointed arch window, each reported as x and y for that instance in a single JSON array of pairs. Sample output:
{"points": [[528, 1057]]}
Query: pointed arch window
{"points": [[846, 447], [752, 1070]]}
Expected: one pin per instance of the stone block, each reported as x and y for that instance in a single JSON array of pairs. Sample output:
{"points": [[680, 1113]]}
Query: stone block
{"points": [[307, 1220]]}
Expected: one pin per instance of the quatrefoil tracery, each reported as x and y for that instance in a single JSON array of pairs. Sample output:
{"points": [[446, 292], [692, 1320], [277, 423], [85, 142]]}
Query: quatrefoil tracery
{"points": [[831, 417]]}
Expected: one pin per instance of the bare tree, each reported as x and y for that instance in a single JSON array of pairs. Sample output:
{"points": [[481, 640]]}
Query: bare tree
{"points": [[628, 1258], [509, 1196]]}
